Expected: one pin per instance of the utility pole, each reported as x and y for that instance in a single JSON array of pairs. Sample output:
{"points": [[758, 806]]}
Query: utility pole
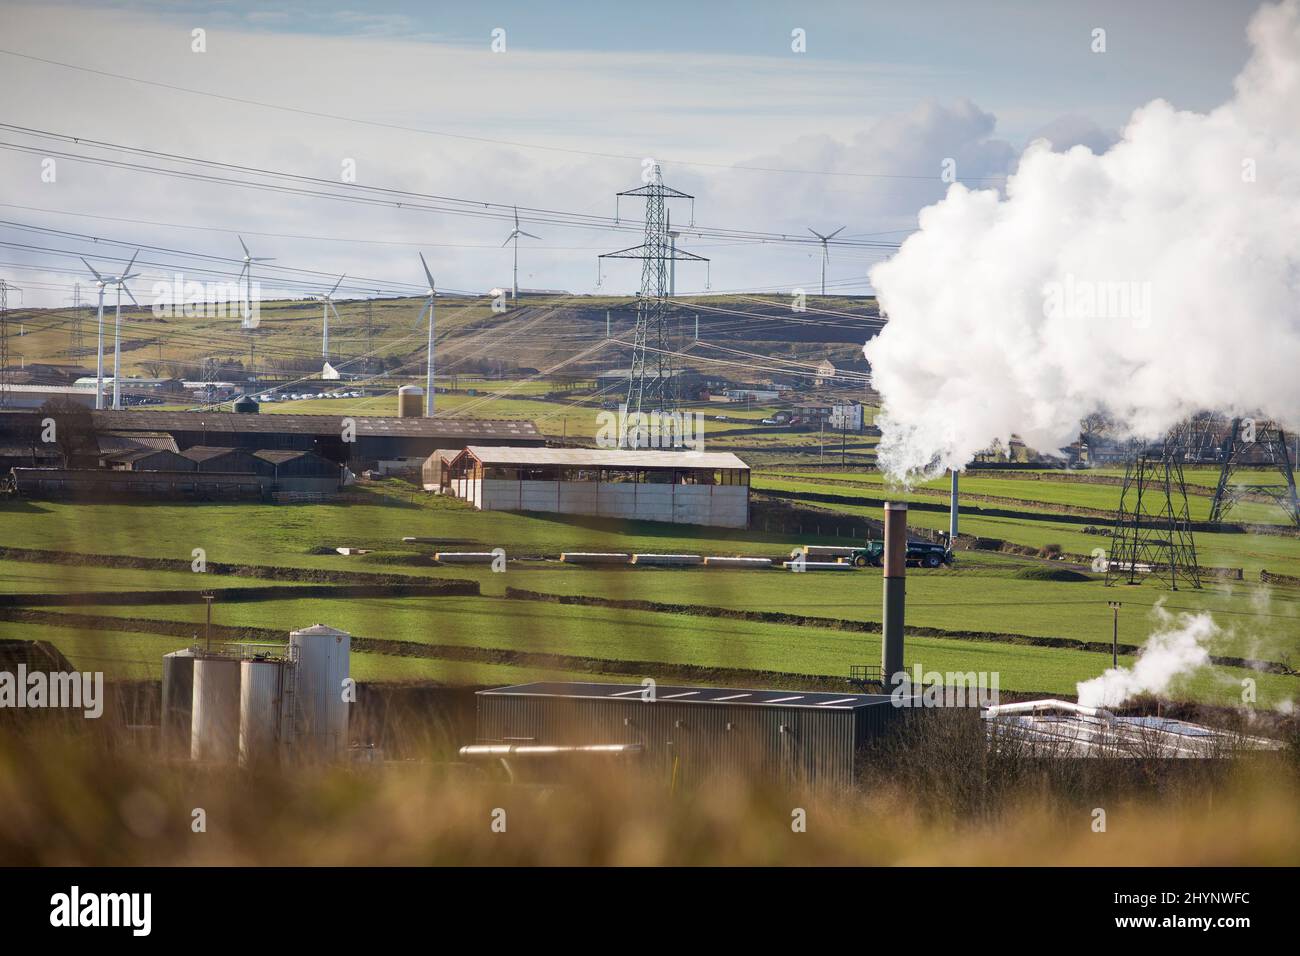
{"points": [[652, 389], [952, 512], [77, 342], [5, 358], [1114, 634], [208, 598]]}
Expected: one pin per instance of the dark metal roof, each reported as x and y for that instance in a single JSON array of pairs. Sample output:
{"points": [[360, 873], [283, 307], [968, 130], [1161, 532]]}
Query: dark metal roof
{"points": [[279, 457], [664, 693], [463, 428], [207, 452]]}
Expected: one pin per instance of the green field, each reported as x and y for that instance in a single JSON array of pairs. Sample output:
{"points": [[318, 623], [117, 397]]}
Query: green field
{"points": [[983, 595]]}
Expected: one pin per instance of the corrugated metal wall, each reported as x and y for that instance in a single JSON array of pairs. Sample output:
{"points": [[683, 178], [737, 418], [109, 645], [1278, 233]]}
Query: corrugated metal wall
{"points": [[818, 746]]}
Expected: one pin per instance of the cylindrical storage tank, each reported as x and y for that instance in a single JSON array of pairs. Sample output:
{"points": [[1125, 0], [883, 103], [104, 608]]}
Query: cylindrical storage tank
{"points": [[410, 401], [215, 718], [177, 702], [322, 656], [261, 697]]}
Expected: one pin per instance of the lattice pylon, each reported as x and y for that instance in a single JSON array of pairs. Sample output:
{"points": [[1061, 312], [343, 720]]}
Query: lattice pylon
{"points": [[1152, 534], [651, 386], [1250, 442]]}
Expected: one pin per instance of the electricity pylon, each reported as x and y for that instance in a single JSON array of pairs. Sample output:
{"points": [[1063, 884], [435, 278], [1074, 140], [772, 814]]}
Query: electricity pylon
{"points": [[1255, 443], [1152, 534], [650, 384]]}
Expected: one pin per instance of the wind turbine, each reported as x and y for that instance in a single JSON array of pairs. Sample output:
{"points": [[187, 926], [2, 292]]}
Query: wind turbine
{"points": [[515, 236], [327, 306], [428, 307], [247, 270], [826, 254], [102, 282]]}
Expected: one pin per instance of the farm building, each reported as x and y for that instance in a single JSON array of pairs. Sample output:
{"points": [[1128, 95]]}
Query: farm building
{"points": [[682, 487], [794, 736], [147, 459], [376, 438], [15, 396], [229, 460], [436, 471], [301, 471]]}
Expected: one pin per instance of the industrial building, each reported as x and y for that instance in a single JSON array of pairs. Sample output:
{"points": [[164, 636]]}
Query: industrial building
{"points": [[799, 737], [702, 488], [1061, 729], [254, 703]]}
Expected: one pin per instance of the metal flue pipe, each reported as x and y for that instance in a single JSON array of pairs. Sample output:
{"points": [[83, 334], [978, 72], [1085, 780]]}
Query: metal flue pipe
{"points": [[891, 645]]}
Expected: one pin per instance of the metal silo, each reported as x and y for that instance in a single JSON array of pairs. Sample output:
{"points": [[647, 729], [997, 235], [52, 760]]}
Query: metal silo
{"points": [[321, 663], [215, 717], [261, 699], [410, 401], [177, 701]]}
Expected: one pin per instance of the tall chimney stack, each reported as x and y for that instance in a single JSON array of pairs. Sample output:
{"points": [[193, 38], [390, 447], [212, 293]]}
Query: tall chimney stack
{"points": [[891, 645]]}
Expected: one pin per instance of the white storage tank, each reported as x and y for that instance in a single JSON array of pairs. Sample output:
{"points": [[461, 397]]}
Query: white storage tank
{"points": [[322, 655], [261, 701], [215, 716], [177, 702]]}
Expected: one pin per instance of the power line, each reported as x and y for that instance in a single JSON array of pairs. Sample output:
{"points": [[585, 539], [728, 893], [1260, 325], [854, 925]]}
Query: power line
{"points": [[320, 114]]}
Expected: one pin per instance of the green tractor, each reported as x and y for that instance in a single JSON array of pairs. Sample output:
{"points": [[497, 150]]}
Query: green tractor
{"points": [[922, 553]]}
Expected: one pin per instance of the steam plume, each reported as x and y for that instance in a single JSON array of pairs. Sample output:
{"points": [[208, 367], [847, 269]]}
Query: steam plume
{"points": [[1157, 279]]}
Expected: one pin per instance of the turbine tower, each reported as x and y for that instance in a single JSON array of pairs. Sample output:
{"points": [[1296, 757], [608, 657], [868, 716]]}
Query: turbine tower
{"points": [[651, 390], [514, 293], [246, 272], [826, 252], [102, 282], [327, 306], [428, 307]]}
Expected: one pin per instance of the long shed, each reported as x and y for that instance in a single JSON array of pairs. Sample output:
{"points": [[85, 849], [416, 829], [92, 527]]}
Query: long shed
{"points": [[792, 736]]}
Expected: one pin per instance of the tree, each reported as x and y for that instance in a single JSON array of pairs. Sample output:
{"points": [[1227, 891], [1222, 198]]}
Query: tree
{"points": [[73, 429]]}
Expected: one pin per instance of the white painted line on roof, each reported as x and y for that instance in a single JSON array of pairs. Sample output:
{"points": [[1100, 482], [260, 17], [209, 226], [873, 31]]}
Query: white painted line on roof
{"points": [[639, 690], [842, 700], [732, 697], [688, 693], [782, 700]]}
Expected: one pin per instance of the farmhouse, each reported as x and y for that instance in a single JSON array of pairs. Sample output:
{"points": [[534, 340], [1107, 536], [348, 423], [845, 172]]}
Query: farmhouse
{"points": [[682, 487]]}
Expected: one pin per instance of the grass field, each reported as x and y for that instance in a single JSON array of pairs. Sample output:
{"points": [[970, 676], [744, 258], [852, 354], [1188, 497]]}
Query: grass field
{"points": [[983, 594]]}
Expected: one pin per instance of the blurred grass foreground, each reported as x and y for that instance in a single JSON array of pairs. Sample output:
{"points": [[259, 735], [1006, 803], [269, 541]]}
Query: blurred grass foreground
{"points": [[78, 792]]}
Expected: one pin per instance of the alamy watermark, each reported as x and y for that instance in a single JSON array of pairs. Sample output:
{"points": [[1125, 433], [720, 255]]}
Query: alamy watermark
{"points": [[78, 690], [1076, 298], [940, 689], [655, 429]]}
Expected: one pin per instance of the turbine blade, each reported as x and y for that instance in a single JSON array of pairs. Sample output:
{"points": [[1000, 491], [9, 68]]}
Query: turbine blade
{"points": [[836, 232], [131, 263], [92, 269], [427, 273], [816, 233], [529, 235], [516, 209], [127, 289], [508, 238], [247, 254], [336, 285]]}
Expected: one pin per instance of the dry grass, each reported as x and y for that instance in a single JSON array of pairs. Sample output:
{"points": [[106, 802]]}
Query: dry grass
{"points": [[74, 796]]}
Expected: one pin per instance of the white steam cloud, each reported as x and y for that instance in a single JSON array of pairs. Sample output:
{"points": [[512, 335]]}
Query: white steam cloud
{"points": [[1178, 646], [1155, 280]]}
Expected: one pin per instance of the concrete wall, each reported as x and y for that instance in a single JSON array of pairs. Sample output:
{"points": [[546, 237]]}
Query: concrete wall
{"points": [[725, 506]]}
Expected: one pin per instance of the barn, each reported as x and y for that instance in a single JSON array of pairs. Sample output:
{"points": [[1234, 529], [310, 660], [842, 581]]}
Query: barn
{"points": [[684, 487]]}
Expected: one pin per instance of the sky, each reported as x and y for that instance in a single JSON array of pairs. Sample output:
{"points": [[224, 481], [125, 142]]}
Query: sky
{"points": [[854, 131]]}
